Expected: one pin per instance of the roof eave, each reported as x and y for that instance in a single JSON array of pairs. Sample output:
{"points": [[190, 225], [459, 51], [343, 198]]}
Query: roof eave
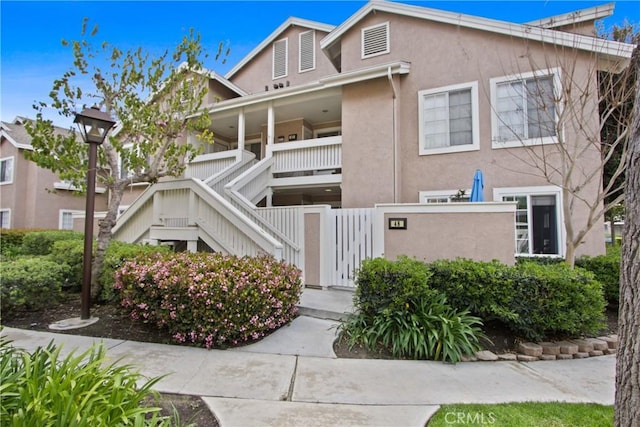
{"points": [[561, 38], [336, 80], [575, 17]]}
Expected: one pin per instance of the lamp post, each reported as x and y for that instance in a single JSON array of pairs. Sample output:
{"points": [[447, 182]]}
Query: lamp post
{"points": [[94, 126]]}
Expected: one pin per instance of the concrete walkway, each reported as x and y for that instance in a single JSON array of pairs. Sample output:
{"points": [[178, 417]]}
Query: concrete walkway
{"points": [[292, 378]]}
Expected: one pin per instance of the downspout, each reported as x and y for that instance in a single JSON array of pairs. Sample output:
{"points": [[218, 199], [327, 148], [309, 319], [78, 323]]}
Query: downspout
{"points": [[394, 137]]}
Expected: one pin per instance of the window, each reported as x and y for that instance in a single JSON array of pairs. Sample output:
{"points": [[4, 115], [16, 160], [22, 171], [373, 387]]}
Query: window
{"points": [[5, 218], [6, 170], [375, 40], [448, 119], [445, 196], [307, 55], [524, 109], [66, 219], [280, 59], [538, 219]]}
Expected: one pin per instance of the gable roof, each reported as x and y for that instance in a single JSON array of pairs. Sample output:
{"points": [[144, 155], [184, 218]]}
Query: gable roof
{"points": [[575, 17], [17, 135], [313, 25], [215, 76], [609, 49]]}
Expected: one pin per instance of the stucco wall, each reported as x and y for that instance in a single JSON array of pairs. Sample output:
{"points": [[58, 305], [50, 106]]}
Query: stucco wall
{"points": [[32, 198], [445, 55], [480, 236], [367, 144], [259, 73]]}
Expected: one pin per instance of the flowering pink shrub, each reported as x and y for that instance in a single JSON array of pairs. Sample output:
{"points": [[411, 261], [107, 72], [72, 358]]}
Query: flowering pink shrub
{"points": [[211, 300]]}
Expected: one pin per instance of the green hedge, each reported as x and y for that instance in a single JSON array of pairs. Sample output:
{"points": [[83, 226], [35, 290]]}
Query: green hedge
{"points": [[387, 285], [536, 301], [71, 254], [30, 283], [398, 310], [555, 300], [41, 242], [606, 269], [484, 288]]}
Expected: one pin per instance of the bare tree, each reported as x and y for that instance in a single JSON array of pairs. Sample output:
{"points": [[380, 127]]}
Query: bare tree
{"points": [[627, 400], [559, 126]]}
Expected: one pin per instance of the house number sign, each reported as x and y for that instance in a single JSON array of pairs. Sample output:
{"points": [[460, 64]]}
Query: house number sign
{"points": [[397, 223]]}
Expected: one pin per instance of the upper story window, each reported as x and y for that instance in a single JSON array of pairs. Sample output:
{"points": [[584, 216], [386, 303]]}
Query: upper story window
{"points": [[448, 119], [375, 40], [524, 109], [280, 58], [307, 56], [6, 170]]}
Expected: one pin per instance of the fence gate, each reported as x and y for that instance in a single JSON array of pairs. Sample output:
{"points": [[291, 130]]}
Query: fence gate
{"points": [[352, 236]]}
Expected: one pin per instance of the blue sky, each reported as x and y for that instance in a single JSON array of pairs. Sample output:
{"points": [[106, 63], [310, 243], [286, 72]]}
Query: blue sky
{"points": [[31, 55]]}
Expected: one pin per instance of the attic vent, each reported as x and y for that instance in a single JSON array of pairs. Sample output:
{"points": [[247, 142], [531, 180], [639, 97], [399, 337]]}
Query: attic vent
{"points": [[280, 59], [375, 40], [307, 51]]}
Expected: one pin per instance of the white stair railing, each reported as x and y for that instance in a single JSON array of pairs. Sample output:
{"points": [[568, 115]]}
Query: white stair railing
{"points": [[189, 202]]}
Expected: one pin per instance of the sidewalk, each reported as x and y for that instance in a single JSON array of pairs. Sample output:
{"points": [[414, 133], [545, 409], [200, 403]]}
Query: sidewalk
{"points": [[292, 378]]}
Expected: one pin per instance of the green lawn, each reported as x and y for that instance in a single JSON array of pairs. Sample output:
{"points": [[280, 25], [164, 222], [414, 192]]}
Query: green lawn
{"points": [[524, 415]]}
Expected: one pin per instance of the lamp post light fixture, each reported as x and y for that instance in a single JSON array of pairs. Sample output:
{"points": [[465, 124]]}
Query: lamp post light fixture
{"points": [[94, 126]]}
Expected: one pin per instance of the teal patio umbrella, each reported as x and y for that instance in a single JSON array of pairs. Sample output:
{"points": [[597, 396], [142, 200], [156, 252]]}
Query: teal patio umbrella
{"points": [[477, 194]]}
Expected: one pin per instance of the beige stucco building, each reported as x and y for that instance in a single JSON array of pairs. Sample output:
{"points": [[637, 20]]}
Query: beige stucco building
{"points": [[337, 143], [32, 197]]}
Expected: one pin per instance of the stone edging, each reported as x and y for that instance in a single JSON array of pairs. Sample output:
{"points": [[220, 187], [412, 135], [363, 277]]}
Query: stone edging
{"points": [[561, 350]]}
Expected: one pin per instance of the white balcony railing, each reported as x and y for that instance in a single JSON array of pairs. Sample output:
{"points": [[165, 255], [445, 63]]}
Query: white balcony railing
{"points": [[307, 155]]}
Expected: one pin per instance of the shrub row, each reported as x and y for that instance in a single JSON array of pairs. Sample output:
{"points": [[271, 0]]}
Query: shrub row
{"points": [[30, 283], [606, 269], [534, 301], [211, 300], [395, 309]]}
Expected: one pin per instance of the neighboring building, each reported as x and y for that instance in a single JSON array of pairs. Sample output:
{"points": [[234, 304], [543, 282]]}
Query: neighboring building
{"points": [[386, 116], [30, 196]]}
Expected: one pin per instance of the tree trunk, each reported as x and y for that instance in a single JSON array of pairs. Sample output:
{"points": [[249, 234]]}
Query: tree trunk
{"points": [[104, 238], [627, 400]]}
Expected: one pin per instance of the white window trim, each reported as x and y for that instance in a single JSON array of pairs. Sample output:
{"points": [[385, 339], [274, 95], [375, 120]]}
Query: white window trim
{"points": [[73, 213], [557, 91], [286, 59], [475, 120], [8, 211], [388, 42], [449, 194], [313, 51], [13, 168], [545, 190]]}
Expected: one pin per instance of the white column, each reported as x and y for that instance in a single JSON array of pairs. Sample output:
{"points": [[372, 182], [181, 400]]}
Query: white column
{"points": [[271, 125], [192, 246], [241, 134]]}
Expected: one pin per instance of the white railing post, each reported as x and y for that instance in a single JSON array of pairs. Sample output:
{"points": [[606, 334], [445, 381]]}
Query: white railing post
{"points": [[157, 208], [241, 132], [271, 125], [193, 208]]}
